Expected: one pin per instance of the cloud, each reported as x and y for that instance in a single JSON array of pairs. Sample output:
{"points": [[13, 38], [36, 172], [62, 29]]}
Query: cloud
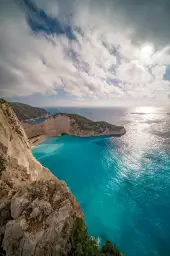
{"points": [[144, 21], [91, 50]]}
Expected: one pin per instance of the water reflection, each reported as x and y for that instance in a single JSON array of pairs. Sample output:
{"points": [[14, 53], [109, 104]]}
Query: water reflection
{"points": [[145, 110], [122, 184]]}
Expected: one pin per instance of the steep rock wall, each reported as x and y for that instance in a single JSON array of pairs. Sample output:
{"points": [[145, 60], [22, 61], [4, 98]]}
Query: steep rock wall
{"points": [[37, 211]]}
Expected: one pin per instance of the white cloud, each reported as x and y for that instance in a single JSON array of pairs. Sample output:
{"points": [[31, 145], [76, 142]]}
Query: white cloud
{"points": [[133, 73], [37, 63], [158, 72]]}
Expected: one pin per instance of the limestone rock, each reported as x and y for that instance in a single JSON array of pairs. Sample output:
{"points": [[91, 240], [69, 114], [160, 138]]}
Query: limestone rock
{"points": [[37, 211], [18, 204], [42, 226]]}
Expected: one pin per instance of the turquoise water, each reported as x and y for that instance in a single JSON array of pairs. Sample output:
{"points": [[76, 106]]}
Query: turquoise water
{"points": [[122, 184]]}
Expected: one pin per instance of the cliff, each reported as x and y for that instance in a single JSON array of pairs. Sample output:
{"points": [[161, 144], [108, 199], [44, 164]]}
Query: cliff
{"points": [[71, 124], [37, 211], [38, 214], [25, 112]]}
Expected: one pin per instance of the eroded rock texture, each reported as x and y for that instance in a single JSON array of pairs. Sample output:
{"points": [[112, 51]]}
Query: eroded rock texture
{"points": [[37, 211]]}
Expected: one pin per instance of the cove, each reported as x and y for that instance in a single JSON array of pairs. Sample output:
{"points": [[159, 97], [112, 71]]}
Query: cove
{"points": [[122, 185]]}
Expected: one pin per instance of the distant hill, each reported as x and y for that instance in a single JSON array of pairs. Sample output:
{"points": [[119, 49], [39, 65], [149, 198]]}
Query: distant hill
{"points": [[87, 125], [70, 124], [24, 111]]}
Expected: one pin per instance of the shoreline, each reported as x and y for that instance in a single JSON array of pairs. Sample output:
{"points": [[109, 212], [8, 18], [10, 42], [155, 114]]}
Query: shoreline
{"points": [[37, 140], [40, 138]]}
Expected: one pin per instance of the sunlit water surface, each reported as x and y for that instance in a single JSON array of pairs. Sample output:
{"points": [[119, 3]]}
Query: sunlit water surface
{"points": [[122, 184]]}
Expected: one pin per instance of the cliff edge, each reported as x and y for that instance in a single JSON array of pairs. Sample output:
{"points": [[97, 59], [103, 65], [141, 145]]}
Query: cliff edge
{"points": [[39, 216], [37, 211]]}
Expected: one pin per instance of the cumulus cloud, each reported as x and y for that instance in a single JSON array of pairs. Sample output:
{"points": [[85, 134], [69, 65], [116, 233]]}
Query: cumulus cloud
{"points": [[111, 51]]}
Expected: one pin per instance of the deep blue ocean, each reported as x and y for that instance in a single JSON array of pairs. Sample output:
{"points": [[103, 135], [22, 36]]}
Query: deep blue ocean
{"points": [[122, 184]]}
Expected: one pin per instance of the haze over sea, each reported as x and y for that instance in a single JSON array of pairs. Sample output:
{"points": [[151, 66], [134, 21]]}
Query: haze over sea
{"points": [[122, 184]]}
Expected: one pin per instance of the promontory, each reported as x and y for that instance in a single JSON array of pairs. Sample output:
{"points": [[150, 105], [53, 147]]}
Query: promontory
{"points": [[71, 124]]}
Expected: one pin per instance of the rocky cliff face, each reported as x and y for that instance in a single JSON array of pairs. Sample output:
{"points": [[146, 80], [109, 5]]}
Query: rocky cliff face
{"points": [[37, 211], [71, 124]]}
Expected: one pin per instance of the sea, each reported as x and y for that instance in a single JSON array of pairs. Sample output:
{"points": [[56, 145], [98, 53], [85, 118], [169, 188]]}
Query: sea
{"points": [[122, 184]]}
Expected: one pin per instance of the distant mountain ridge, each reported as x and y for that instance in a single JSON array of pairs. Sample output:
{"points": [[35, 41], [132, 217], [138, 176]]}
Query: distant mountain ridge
{"points": [[25, 112]]}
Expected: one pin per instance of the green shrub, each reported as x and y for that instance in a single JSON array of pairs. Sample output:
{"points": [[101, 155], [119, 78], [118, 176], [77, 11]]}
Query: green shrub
{"points": [[109, 249], [64, 134], [84, 245], [81, 243]]}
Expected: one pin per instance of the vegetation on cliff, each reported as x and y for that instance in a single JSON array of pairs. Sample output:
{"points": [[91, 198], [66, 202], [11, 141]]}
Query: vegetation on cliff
{"points": [[84, 245], [24, 111], [86, 124]]}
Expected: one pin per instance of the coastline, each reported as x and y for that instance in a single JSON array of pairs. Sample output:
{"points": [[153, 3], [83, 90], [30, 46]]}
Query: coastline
{"points": [[37, 140], [70, 124], [40, 138]]}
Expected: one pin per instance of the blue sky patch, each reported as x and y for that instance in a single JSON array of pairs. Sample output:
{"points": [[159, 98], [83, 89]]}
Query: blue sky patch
{"points": [[40, 22], [167, 74], [77, 60], [113, 81]]}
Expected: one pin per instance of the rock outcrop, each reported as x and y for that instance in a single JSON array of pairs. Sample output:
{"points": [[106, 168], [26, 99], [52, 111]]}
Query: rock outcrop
{"points": [[71, 124], [37, 211]]}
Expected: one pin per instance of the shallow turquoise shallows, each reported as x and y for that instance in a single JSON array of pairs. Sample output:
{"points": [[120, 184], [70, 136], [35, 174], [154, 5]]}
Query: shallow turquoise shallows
{"points": [[122, 184]]}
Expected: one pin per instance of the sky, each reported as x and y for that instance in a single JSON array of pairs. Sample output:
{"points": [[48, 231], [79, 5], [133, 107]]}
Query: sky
{"points": [[85, 53]]}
